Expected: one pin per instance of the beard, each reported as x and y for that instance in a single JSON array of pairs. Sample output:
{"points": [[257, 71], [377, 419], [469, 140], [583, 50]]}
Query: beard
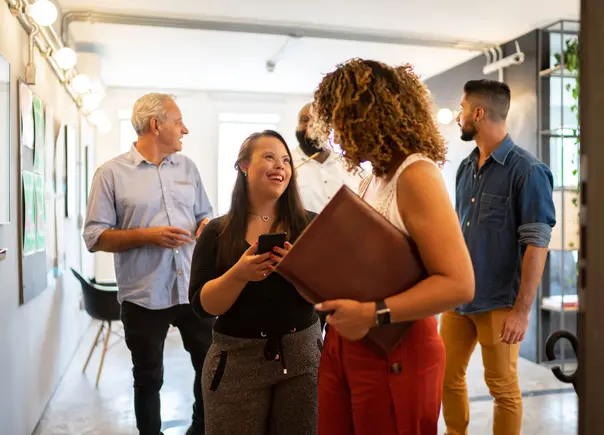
{"points": [[307, 145], [468, 134]]}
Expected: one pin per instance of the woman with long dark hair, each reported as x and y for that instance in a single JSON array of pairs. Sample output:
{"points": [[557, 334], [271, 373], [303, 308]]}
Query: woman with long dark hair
{"points": [[383, 115], [260, 373]]}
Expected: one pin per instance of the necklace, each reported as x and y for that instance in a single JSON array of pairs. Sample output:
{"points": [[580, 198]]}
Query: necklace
{"points": [[263, 217]]}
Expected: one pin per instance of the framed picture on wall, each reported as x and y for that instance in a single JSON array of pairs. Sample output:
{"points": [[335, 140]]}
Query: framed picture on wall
{"points": [[5, 153], [71, 170]]}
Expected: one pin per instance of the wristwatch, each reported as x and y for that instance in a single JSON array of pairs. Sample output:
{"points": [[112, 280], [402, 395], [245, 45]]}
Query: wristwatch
{"points": [[382, 313]]}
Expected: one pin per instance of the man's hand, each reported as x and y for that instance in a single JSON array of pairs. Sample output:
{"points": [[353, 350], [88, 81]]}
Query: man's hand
{"points": [[202, 225], [168, 237], [514, 327]]}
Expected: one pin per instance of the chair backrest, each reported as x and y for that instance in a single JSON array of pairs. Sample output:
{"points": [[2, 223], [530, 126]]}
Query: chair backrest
{"points": [[99, 302]]}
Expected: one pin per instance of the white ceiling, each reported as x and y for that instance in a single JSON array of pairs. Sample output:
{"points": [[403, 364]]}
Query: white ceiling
{"points": [[208, 60]]}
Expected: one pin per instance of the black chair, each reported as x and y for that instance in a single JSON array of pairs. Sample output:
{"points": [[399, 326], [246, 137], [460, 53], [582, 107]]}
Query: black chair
{"points": [[100, 302]]}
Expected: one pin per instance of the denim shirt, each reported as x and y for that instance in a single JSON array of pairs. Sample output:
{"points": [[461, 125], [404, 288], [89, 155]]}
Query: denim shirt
{"points": [[503, 207]]}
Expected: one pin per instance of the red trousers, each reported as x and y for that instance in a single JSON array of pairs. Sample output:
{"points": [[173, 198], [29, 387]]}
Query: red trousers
{"points": [[361, 393]]}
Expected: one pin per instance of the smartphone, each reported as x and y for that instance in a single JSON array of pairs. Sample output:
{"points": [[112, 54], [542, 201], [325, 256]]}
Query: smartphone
{"points": [[266, 242]]}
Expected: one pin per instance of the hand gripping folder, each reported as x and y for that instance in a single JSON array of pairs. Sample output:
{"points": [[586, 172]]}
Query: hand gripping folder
{"points": [[351, 251]]}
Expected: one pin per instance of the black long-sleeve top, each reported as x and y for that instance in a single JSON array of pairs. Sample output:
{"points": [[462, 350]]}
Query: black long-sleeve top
{"points": [[269, 307]]}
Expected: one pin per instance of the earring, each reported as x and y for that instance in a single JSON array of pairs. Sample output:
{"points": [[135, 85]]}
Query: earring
{"points": [[244, 173]]}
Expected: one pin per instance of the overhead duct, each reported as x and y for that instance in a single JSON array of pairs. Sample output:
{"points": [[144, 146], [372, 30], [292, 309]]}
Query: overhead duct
{"points": [[496, 62], [256, 27]]}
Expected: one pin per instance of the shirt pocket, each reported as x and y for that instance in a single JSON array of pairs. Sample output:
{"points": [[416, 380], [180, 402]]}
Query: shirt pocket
{"points": [[184, 194], [493, 211]]}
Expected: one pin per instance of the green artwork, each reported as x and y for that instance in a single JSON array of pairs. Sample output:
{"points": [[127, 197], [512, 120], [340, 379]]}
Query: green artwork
{"points": [[39, 135], [40, 212], [29, 224]]}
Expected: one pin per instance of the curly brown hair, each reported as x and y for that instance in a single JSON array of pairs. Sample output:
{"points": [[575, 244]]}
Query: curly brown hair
{"points": [[378, 113]]}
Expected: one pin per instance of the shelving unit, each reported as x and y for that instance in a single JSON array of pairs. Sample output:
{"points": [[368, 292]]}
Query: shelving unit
{"points": [[558, 136]]}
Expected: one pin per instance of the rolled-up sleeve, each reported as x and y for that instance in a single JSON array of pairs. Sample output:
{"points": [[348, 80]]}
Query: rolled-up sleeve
{"points": [[100, 214], [536, 207], [203, 207]]}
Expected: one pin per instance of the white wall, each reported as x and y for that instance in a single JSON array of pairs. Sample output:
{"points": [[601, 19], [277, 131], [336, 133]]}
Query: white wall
{"points": [[38, 339], [4, 141], [200, 113], [457, 150]]}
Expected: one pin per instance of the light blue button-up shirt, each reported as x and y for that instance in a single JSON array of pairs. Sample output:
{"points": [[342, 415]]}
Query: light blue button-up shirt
{"points": [[129, 192]]}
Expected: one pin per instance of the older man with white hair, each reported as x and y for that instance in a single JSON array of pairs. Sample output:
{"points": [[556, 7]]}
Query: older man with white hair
{"points": [[147, 206]]}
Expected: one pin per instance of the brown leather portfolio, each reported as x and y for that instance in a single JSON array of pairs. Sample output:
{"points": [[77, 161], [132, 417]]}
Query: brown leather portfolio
{"points": [[351, 251]]}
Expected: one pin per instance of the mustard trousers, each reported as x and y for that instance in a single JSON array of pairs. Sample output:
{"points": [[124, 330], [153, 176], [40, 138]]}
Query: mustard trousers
{"points": [[460, 333]]}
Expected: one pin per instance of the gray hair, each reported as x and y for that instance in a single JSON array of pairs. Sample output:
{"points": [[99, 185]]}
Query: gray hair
{"points": [[146, 107]]}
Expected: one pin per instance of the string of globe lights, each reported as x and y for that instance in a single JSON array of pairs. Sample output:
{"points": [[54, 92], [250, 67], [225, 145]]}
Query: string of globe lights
{"points": [[36, 18]]}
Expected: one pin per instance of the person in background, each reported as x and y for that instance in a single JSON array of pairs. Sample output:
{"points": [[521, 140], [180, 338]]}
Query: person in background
{"points": [[384, 115], [146, 206], [505, 207], [321, 171], [321, 177], [260, 375]]}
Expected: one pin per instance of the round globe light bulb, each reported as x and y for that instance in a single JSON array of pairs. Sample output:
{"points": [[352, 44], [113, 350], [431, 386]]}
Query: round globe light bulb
{"points": [[65, 57], [91, 101], [43, 12], [444, 116], [81, 83]]}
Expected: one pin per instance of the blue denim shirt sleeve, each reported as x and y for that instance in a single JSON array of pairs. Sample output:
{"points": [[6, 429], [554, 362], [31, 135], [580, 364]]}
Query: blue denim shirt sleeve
{"points": [[100, 213], [537, 215]]}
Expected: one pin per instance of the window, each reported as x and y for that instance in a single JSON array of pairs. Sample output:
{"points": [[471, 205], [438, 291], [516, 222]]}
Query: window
{"points": [[127, 135], [233, 129]]}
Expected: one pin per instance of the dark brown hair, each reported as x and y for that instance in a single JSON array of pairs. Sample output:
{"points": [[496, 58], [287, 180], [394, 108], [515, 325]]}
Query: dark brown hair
{"points": [[493, 96], [380, 113], [291, 216]]}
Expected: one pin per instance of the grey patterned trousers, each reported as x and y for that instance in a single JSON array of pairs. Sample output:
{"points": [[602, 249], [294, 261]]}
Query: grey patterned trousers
{"points": [[246, 394]]}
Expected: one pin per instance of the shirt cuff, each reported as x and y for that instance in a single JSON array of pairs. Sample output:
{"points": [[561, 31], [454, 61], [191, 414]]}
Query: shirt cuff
{"points": [[535, 234], [91, 235]]}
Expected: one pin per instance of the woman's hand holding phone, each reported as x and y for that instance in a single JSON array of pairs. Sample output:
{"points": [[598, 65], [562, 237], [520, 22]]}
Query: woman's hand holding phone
{"points": [[253, 267], [279, 254]]}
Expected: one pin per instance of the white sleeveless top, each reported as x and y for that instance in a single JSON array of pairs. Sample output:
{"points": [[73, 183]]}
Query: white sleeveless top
{"points": [[382, 195]]}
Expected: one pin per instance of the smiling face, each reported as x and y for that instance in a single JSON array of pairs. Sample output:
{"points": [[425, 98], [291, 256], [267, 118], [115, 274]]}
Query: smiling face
{"points": [[171, 129], [269, 170]]}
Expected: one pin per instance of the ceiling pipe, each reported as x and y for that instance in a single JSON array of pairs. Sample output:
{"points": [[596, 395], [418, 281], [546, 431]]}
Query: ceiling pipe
{"points": [[90, 16], [43, 42]]}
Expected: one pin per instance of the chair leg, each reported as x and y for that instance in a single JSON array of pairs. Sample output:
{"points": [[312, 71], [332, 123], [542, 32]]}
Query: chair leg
{"points": [[94, 343], [98, 376]]}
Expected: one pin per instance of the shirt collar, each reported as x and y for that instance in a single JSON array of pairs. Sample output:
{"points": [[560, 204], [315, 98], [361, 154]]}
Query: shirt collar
{"points": [[138, 158], [500, 155]]}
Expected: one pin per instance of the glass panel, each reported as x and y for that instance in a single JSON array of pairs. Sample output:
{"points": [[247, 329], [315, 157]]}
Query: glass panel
{"points": [[563, 272], [564, 161], [564, 26], [5, 174], [562, 105]]}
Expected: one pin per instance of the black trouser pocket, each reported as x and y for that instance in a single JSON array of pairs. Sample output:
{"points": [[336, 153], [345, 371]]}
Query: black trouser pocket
{"points": [[219, 371]]}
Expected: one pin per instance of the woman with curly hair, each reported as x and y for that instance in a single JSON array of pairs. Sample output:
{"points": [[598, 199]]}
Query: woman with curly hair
{"points": [[382, 115]]}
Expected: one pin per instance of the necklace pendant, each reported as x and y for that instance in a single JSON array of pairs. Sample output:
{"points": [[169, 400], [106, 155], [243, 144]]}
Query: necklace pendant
{"points": [[265, 218]]}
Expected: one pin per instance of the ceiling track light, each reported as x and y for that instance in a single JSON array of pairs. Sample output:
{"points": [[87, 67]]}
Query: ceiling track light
{"points": [[36, 19], [43, 12]]}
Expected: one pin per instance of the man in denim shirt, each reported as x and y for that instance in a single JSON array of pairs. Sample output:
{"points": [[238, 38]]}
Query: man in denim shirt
{"points": [[505, 206], [146, 206]]}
